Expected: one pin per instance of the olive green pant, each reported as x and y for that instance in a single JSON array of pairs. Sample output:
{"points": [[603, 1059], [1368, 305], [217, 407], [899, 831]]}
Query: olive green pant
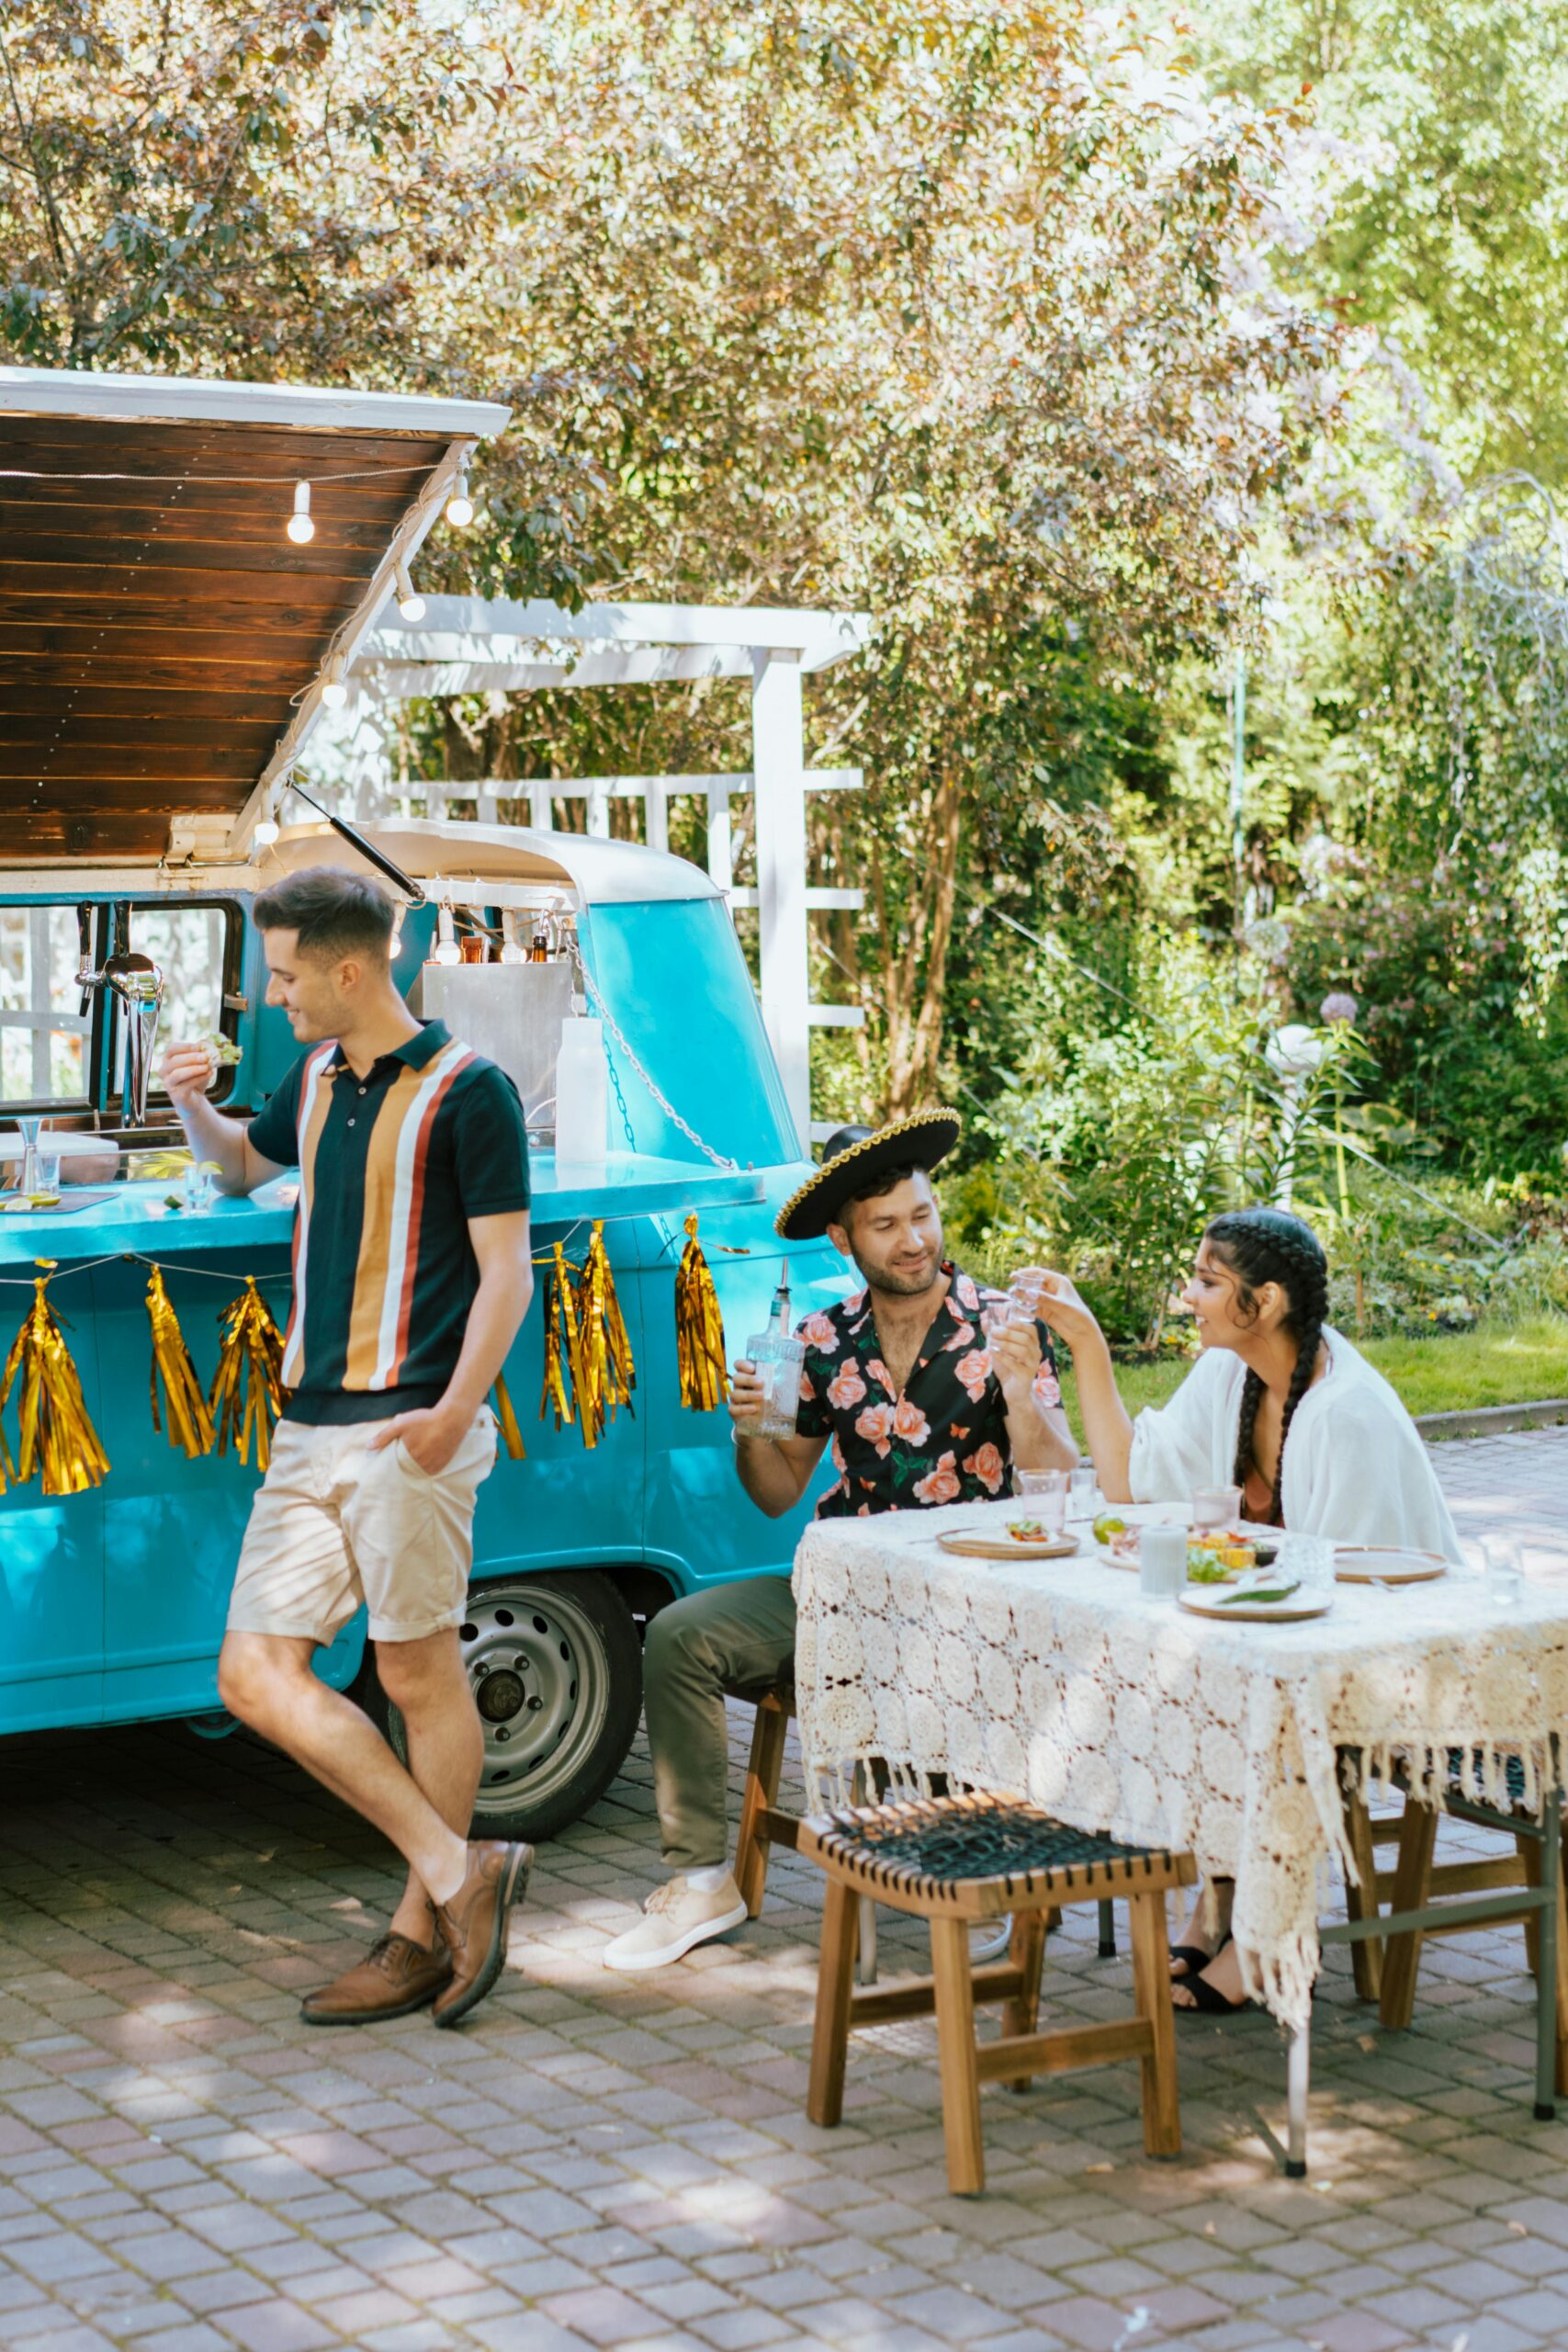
{"points": [[735, 1638]]}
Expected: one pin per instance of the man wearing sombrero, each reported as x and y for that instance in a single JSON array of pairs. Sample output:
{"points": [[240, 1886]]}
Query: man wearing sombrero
{"points": [[918, 1411]]}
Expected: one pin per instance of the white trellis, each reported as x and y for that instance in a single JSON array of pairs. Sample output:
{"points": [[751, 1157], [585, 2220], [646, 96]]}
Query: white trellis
{"points": [[466, 645]]}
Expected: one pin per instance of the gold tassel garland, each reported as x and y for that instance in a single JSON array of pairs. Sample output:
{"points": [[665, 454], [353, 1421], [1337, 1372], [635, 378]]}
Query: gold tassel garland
{"points": [[608, 1373], [563, 1346], [184, 1403], [248, 1394], [511, 1435], [699, 1330], [53, 1423]]}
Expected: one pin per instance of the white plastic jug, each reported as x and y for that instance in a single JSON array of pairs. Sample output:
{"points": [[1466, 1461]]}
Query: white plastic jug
{"points": [[582, 1093]]}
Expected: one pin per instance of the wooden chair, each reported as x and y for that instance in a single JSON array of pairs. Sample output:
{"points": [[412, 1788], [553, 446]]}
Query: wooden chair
{"points": [[1418, 1878], [764, 1822], [951, 1861]]}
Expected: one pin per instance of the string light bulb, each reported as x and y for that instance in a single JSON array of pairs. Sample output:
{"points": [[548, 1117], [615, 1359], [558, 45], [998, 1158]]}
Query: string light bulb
{"points": [[334, 691], [411, 604], [446, 950], [266, 829], [300, 526], [460, 507]]}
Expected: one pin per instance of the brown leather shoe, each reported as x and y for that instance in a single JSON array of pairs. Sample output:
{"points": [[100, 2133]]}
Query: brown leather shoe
{"points": [[395, 1977], [473, 1925]]}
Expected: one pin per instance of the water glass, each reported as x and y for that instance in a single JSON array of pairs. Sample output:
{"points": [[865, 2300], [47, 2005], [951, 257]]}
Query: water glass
{"points": [[1504, 1569], [46, 1169], [1162, 1561], [1081, 1490], [1310, 1560], [1047, 1494], [196, 1183], [1216, 1505]]}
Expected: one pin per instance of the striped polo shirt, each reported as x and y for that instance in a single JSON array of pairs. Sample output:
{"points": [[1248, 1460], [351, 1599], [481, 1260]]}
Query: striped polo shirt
{"points": [[391, 1166]]}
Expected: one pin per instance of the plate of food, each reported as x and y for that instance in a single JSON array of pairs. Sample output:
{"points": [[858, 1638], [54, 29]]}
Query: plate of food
{"points": [[1386, 1564], [1261, 1596], [1214, 1555], [1018, 1539]]}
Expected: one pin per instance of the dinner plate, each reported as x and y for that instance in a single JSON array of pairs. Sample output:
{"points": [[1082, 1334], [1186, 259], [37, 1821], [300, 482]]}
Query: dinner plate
{"points": [[1007, 1547], [1386, 1564], [1207, 1600]]}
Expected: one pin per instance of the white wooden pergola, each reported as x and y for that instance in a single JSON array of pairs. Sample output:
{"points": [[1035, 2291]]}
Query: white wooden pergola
{"points": [[463, 645]]}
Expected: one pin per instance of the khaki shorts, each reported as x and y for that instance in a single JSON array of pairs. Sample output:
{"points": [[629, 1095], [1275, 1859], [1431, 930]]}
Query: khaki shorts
{"points": [[335, 1525]]}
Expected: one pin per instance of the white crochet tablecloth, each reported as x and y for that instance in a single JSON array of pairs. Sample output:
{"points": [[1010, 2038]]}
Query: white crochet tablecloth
{"points": [[1060, 1682]]}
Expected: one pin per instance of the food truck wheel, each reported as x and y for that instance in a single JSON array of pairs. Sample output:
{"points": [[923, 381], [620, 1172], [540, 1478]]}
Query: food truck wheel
{"points": [[556, 1670]]}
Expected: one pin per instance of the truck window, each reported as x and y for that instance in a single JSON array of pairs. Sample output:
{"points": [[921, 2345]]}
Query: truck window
{"points": [[43, 1033]]}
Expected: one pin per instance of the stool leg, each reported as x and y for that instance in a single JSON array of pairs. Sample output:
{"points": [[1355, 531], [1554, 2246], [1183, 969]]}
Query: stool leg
{"points": [[761, 1790], [1412, 1886], [1108, 1931], [1298, 2072], [955, 2053], [1528, 1852], [1361, 1901], [831, 2032], [1151, 1994], [1536, 1853], [865, 1964], [1026, 1949]]}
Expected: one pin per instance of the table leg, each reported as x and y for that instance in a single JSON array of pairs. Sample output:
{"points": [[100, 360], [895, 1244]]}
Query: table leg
{"points": [[1546, 1985], [1299, 2069]]}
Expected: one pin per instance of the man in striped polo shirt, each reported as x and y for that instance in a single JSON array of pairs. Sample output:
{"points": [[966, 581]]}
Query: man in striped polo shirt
{"points": [[411, 1277]]}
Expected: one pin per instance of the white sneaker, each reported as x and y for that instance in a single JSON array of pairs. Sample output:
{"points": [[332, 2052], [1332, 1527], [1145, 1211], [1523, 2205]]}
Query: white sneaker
{"points": [[675, 1916]]}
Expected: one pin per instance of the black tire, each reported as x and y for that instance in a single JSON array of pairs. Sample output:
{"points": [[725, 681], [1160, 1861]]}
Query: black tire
{"points": [[556, 1666]]}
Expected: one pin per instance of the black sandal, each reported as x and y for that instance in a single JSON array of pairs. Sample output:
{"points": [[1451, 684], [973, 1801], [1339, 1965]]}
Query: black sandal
{"points": [[1209, 2001], [1194, 1959]]}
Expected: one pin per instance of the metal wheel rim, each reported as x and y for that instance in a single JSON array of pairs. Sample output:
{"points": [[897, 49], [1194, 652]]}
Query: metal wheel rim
{"points": [[546, 1643]]}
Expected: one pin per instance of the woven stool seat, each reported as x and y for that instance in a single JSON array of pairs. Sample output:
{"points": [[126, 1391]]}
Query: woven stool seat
{"points": [[941, 1842], [955, 1859]]}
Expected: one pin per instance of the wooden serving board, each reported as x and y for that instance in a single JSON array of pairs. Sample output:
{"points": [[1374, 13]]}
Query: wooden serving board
{"points": [[1003, 1547]]}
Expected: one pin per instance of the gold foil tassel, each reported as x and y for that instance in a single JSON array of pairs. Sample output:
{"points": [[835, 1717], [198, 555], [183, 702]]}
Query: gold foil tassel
{"points": [[511, 1435], [248, 1394], [54, 1429], [609, 1375], [190, 1422], [699, 1330], [563, 1347]]}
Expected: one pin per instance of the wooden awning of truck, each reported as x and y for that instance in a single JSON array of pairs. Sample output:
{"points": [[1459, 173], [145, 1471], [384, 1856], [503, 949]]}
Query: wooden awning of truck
{"points": [[164, 642]]}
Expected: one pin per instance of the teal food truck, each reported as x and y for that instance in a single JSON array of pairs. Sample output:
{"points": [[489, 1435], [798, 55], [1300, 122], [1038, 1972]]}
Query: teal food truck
{"points": [[167, 638]]}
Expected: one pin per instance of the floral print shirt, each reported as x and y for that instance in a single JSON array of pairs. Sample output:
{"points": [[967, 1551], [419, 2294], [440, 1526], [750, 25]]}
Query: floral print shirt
{"points": [[945, 1439]]}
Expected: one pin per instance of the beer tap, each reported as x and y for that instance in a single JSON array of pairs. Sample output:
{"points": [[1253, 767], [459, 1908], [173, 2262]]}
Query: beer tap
{"points": [[138, 983]]}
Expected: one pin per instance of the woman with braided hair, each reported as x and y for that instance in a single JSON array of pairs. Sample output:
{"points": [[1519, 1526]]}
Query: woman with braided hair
{"points": [[1278, 1404]]}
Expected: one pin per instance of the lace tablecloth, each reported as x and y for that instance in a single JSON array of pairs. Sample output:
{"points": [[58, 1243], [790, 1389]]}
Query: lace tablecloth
{"points": [[1059, 1681]]}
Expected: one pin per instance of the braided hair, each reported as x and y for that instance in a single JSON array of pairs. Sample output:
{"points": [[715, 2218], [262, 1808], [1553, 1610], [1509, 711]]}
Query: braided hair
{"points": [[1265, 1244]]}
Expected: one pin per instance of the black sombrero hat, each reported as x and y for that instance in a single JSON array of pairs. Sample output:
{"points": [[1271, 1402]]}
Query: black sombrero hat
{"points": [[854, 1158]]}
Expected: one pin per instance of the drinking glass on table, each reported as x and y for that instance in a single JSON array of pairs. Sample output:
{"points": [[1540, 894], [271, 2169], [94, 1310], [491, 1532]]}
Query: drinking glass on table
{"points": [[1047, 1495], [1505, 1568], [1216, 1506], [1080, 1491], [46, 1169], [1310, 1559]]}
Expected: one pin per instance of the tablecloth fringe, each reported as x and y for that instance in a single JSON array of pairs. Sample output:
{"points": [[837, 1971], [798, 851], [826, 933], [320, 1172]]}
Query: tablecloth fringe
{"points": [[1424, 1764]]}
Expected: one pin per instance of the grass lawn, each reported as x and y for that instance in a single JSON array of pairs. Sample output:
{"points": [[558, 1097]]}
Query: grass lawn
{"points": [[1497, 1363]]}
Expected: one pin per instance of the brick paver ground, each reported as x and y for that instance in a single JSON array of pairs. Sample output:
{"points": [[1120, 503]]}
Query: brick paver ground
{"points": [[608, 2162]]}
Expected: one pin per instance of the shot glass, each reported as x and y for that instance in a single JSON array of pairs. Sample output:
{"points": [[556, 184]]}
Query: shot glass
{"points": [[1216, 1506], [1504, 1569], [1047, 1494]]}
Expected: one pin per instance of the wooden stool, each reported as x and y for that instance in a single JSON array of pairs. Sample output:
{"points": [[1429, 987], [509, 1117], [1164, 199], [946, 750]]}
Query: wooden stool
{"points": [[955, 1859], [763, 1822]]}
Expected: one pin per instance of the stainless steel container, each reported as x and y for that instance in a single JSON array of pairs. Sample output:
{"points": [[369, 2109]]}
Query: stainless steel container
{"points": [[509, 1013]]}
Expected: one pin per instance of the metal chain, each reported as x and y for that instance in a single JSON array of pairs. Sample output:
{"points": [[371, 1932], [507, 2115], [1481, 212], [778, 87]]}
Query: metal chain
{"points": [[670, 1112]]}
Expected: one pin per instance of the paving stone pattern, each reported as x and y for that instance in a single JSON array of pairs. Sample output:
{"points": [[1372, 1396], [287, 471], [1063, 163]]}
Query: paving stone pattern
{"points": [[599, 2161]]}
